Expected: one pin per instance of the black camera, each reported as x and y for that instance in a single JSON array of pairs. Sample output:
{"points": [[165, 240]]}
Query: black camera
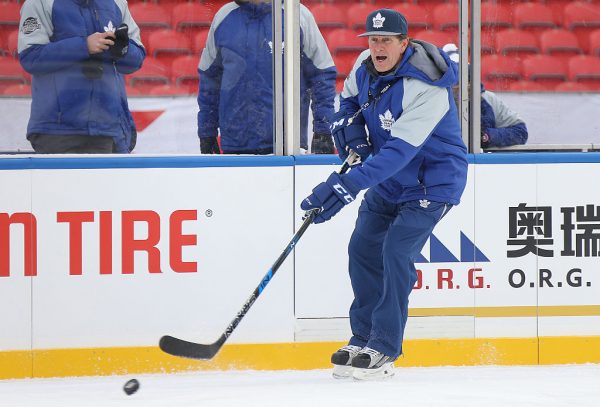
{"points": [[121, 42]]}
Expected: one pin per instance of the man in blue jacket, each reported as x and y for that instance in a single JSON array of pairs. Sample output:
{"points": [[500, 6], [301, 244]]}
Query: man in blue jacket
{"points": [[235, 98], [401, 90], [77, 52], [500, 126]]}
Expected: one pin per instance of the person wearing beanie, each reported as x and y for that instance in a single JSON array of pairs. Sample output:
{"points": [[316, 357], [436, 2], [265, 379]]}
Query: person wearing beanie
{"points": [[413, 164]]}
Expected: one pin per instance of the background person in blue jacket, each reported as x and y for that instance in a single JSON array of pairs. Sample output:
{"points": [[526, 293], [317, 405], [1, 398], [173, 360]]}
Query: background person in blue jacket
{"points": [[235, 97], [77, 52], [402, 91], [500, 126]]}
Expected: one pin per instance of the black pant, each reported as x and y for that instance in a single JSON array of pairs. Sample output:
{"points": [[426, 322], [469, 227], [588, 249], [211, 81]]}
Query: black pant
{"points": [[55, 144]]}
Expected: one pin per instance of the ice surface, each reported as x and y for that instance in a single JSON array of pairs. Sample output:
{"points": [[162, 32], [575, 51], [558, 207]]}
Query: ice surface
{"points": [[479, 386]]}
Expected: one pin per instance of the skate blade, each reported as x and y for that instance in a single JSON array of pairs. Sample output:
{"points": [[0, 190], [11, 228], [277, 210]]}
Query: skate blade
{"points": [[382, 373], [342, 372]]}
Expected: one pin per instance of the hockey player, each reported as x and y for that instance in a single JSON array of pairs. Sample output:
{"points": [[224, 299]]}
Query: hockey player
{"points": [[500, 126], [236, 82], [401, 90]]}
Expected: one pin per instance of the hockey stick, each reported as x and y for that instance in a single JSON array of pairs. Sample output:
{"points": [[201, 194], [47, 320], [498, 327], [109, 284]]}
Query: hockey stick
{"points": [[192, 350]]}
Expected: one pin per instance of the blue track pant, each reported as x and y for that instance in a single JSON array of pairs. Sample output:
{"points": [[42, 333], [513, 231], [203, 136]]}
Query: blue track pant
{"points": [[385, 242]]}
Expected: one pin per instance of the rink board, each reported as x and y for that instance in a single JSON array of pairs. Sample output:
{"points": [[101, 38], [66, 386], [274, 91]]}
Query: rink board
{"points": [[103, 255]]}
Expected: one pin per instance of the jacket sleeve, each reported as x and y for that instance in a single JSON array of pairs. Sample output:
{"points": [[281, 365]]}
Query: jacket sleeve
{"points": [[319, 70], [507, 136], [210, 70], [132, 60], [504, 127], [36, 53], [424, 106]]}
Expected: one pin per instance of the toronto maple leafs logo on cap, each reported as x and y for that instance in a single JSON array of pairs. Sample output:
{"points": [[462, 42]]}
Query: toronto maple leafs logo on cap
{"points": [[385, 22], [378, 21]]}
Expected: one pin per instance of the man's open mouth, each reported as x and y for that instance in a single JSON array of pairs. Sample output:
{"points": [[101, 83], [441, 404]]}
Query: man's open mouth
{"points": [[380, 58]]}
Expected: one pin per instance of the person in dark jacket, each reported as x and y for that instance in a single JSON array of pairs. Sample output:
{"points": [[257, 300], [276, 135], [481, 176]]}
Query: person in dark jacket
{"points": [[77, 52], [401, 90], [500, 126], [235, 97]]}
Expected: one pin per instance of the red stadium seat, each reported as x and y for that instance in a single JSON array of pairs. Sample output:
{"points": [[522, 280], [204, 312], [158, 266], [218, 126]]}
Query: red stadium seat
{"points": [[582, 18], [168, 90], [437, 38], [526, 86], [152, 73], [495, 16], [184, 73], [357, 16], [488, 41], [445, 17], [12, 73], [166, 45], [19, 89], [557, 7], [200, 41], [572, 87], [343, 41], [417, 16], [328, 17], [560, 43], [344, 63], [9, 16], [192, 17], [12, 44], [516, 42], [546, 70], [216, 5], [150, 17], [586, 70], [132, 91], [533, 17], [595, 42], [429, 4], [498, 72]]}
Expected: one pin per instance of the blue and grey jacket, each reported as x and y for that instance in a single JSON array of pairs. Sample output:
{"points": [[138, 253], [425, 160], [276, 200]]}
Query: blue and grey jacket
{"points": [[53, 48], [503, 126], [413, 127], [236, 78]]}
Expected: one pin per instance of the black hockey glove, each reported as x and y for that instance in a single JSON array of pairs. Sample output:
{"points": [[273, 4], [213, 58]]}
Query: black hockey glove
{"points": [[121, 45], [209, 145], [322, 144]]}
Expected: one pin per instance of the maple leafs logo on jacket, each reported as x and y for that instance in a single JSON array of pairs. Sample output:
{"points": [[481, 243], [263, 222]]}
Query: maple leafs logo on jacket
{"points": [[386, 120], [110, 27]]}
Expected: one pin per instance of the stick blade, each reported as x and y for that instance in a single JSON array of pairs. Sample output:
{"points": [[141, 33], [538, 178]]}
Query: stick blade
{"points": [[191, 350]]}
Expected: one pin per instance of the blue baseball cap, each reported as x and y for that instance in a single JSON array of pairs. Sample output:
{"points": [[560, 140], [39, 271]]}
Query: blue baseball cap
{"points": [[385, 22]]}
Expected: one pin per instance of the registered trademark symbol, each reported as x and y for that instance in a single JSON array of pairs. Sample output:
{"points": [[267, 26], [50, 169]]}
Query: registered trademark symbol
{"points": [[208, 213]]}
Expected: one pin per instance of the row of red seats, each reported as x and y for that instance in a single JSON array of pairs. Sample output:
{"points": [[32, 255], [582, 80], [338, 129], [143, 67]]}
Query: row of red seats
{"points": [[558, 42], [579, 17], [175, 90], [167, 44], [499, 71]]}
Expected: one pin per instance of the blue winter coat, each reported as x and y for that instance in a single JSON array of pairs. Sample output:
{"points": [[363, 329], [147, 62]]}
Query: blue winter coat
{"points": [[53, 47], [503, 126], [236, 78], [418, 152]]}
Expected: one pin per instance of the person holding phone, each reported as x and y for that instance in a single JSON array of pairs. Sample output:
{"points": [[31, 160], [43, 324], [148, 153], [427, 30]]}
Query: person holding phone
{"points": [[77, 53]]}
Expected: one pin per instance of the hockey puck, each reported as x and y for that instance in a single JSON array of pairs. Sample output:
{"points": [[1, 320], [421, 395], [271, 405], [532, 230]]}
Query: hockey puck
{"points": [[131, 386]]}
